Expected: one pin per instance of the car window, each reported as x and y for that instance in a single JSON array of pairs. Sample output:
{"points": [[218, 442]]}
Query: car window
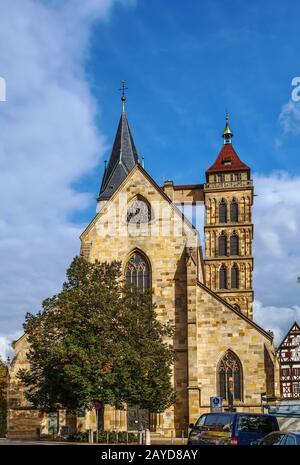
{"points": [[272, 439], [290, 440], [218, 423], [256, 424], [200, 421]]}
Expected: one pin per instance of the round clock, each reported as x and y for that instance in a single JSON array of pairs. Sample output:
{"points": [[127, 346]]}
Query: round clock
{"points": [[138, 212]]}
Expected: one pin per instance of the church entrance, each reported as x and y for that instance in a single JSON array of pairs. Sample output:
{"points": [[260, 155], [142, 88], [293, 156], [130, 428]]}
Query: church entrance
{"points": [[137, 418]]}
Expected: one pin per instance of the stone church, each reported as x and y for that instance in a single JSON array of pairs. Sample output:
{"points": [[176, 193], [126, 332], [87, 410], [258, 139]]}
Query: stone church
{"points": [[205, 291]]}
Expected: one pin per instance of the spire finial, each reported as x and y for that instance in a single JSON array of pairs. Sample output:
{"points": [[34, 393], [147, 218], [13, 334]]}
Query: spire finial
{"points": [[122, 89], [227, 133]]}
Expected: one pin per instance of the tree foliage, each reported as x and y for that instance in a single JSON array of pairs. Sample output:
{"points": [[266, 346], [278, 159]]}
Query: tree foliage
{"points": [[98, 340]]}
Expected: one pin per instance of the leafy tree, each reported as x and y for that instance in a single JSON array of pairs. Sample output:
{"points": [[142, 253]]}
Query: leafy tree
{"points": [[98, 340], [3, 394]]}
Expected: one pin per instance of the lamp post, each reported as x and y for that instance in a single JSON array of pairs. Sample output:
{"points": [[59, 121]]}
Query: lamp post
{"points": [[97, 408]]}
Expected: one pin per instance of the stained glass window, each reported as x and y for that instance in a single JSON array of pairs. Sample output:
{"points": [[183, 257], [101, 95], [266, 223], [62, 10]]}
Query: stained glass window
{"points": [[137, 271], [230, 376]]}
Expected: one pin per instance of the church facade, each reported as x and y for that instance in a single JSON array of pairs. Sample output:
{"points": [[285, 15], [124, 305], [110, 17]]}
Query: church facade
{"points": [[205, 293]]}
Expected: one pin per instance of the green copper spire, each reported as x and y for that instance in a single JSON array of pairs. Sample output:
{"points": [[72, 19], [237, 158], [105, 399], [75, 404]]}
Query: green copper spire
{"points": [[227, 134]]}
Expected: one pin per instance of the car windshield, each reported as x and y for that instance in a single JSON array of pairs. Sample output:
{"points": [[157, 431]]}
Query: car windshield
{"points": [[256, 424], [215, 422]]}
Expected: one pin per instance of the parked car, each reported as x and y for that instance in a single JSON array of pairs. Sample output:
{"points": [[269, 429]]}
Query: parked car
{"points": [[280, 438], [231, 428]]}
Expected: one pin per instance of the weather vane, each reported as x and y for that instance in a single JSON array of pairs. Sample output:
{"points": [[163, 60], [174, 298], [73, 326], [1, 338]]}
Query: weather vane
{"points": [[122, 89]]}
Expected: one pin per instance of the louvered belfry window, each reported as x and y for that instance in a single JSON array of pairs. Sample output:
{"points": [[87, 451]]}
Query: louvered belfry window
{"points": [[234, 277], [222, 211], [230, 377], [222, 244], [234, 244], [234, 211], [223, 277], [137, 271]]}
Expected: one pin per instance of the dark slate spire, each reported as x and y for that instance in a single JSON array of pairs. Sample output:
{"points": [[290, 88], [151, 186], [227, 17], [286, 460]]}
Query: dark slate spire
{"points": [[123, 158]]}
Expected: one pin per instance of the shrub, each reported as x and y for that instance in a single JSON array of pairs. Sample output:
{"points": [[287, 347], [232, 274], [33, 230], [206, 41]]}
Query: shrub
{"points": [[111, 437]]}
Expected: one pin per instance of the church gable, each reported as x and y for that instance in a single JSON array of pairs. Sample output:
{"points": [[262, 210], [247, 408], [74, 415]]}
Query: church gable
{"points": [[139, 208], [292, 337]]}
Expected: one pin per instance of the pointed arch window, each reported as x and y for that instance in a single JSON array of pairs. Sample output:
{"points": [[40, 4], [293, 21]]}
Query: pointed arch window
{"points": [[223, 277], [222, 244], [234, 211], [234, 244], [234, 277], [230, 377], [138, 211], [223, 211], [137, 271]]}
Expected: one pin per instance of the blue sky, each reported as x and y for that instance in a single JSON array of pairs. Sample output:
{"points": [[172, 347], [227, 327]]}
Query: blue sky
{"points": [[185, 63]]}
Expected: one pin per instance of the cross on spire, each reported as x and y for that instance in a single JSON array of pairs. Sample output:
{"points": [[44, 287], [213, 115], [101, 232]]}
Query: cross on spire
{"points": [[122, 89]]}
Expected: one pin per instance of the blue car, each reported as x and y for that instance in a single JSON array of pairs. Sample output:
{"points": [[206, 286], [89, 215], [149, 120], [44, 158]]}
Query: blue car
{"points": [[231, 428], [281, 438]]}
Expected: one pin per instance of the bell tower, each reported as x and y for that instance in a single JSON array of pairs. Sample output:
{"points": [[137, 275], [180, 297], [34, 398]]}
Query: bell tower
{"points": [[228, 198]]}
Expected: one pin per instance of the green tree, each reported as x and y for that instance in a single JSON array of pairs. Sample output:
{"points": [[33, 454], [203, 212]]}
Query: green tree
{"points": [[98, 340]]}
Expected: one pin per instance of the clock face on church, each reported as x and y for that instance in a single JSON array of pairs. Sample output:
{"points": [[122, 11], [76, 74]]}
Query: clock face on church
{"points": [[138, 212]]}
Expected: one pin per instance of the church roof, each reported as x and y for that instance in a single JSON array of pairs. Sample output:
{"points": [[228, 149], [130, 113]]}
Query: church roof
{"points": [[123, 158], [227, 160]]}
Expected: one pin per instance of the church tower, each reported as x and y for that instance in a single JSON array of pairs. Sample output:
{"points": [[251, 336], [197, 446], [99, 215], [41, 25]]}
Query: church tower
{"points": [[228, 198]]}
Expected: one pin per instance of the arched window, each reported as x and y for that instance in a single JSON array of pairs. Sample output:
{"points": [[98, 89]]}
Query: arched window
{"points": [[234, 244], [223, 211], [223, 277], [234, 277], [222, 244], [137, 271], [234, 211], [230, 377], [138, 211]]}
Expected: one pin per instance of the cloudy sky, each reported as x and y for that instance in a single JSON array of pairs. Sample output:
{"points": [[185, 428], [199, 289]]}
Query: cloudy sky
{"points": [[62, 62]]}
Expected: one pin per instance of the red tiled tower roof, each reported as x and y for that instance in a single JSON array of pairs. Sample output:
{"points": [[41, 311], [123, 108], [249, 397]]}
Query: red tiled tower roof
{"points": [[227, 160]]}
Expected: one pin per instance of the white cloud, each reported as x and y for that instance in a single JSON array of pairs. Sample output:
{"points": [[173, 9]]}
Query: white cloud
{"points": [[48, 140], [5, 345], [289, 117], [276, 319], [277, 251]]}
